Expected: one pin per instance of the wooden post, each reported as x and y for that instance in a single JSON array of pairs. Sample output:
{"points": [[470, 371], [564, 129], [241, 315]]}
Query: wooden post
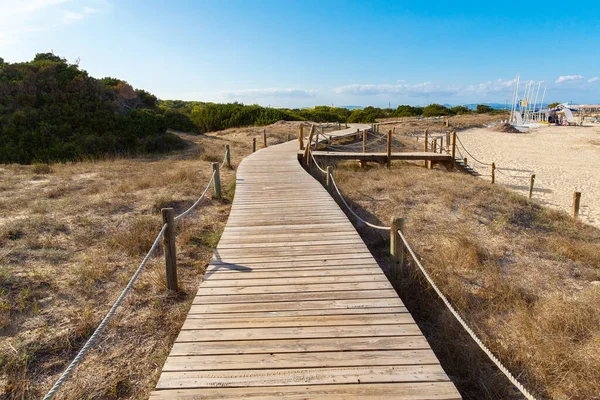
{"points": [[434, 145], [365, 135], [576, 202], [265, 137], [168, 215], [426, 134], [441, 144], [329, 184], [531, 181], [493, 172], [254, 145], [397, 246], [227, 156], [389, 148], [306, 150], [465, 161], [453, 149], [447, 141], [215, 166], [301, 137]]}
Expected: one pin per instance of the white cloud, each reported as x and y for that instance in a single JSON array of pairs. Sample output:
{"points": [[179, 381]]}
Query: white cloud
{"points": [[425, 89], [428, 89], [568, 78], [19, 20], [270, 92], [594, 79], [72, 16]]}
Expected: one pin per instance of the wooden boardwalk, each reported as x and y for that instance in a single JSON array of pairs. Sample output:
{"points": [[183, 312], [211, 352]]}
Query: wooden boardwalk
{"points": [[293, 305]]}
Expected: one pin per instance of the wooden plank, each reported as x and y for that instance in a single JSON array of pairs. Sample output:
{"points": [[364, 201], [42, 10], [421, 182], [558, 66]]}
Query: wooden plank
{"points": [[293, 288], [341, 305], [274, 297], [213, 283], [301, 360], [289, 322], [297, 313], [357, 271], [299, 345], [295, 377], [365, 391], [208, 335]]}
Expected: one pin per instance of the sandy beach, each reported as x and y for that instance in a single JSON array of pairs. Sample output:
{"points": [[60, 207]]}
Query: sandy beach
{"points": [[564, 160]]}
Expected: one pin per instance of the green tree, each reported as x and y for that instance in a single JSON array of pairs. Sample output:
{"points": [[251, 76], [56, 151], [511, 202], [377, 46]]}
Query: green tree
{"points": [[483, 109], [553, 105], [460, 110], [434, 110]]}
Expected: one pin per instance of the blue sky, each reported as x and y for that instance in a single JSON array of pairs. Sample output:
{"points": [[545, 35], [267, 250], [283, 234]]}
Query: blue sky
{"points": [[302, 53]]}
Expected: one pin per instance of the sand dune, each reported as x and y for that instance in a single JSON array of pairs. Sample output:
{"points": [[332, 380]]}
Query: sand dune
{"points": [[564, 160]]}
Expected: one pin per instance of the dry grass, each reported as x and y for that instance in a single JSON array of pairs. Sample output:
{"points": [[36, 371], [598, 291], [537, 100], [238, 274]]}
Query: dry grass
{"points": [[71, 236], [526, 278]]}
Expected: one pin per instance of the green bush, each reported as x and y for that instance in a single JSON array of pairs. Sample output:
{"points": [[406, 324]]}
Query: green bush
{"points": [[52, 111], [434, 110]]}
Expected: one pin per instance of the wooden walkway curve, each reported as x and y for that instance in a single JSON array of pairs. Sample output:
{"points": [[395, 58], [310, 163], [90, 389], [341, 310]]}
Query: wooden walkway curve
{"points": [[293, 305]]}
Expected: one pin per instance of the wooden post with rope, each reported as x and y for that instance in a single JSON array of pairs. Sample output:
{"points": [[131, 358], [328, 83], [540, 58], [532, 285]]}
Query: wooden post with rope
{"points": [[254, 145], [265, 137], [217, 172], [389, 148], [227, 156], [328, 182], [396, 246], [301, 137], [576, 203], [364, 147], [307, 148], [453, 150], [168, 216], [493, 173], [426, 146], [531, 181]]}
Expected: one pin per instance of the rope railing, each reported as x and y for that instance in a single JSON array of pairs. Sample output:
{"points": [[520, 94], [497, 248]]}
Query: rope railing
{"points": [[335, 186], [186, 212], [88, 345], [90, 342], [316, 163], [471, 155], [332, 183], [462, 322]]}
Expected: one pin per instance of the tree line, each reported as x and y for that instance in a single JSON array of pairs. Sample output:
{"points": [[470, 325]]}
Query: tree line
{"points": [[210, 117], [51, 110]]}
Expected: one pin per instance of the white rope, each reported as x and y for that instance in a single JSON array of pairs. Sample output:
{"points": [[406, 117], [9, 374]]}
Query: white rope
{"points": [[65, 375], [186, 212], [316, 163], [471, 155], [466, 327], [383, 228], [224, 159]]}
